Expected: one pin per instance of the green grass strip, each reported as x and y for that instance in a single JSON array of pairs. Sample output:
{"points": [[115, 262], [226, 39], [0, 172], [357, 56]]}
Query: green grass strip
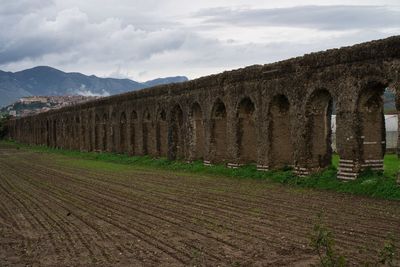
{"points": [[369, 183]]}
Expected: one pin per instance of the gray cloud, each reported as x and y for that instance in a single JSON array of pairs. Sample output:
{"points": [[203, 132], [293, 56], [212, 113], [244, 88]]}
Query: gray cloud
{"points": [[72, 32], [14, 7], [316, 17], [145, 40]]}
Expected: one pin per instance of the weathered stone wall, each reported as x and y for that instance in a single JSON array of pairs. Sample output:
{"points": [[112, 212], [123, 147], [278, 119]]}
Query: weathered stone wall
{"points": [[398, 112], [274, 115], [398, 120]]}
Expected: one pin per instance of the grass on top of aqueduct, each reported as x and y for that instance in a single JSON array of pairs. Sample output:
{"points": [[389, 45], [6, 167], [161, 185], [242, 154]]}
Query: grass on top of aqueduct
{"points": [[373, 184]]}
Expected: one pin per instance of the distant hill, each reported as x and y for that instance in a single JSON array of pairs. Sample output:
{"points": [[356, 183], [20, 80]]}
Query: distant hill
{"points": [[389, 101], [158, 81], [47, 81]]}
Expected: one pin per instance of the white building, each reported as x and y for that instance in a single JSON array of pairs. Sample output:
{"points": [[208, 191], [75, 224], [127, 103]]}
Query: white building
{"points": [[391, 125]]}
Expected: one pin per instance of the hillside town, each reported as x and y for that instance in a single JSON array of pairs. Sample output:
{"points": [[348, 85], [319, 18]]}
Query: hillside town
{"points": [[32, 105]]}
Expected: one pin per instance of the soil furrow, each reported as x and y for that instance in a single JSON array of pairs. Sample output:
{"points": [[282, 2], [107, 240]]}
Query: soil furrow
{"points": [[297, 208], [83, 201], [243, 233], [56, 212], [343, 244], [306, 231], [56, 222]]}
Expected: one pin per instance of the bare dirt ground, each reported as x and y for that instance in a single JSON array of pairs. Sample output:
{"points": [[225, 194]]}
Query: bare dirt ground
{"points": [[59, 211]]}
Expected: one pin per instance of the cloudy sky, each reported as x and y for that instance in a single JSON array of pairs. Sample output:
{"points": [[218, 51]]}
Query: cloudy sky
{"points": [[146, 39]]}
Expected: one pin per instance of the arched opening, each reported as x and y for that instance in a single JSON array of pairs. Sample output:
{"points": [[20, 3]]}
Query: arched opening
{"points": [[76, 130], [218, 132], [147, 129], [97, 133], [319, 140], [75, 139], [71, 133], [176, 138], [122, 133], [27, 132], [42, 132], [104, 133], [91, 133], [83, 133], [281, 152], [372, 126], [54, 133], [246, 131], [67, 136], [113, 131], [61, 133], [47, 133], [197, 131], [397, 100], [162, 134], [133, 126]]}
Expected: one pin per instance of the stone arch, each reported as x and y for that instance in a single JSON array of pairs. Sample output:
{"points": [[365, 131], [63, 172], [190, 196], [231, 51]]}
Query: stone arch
{"points": [[133, 126], [83, 131], [281, 148], [371, 128], [36, 130], [176, 142], [147, 132], [41, 132], [162, 133], [122, 132], [67, 136], [48, 133], [246, 131], [77, 133], [113, 131], [75, 137], [37, 133], [397, 90], [69, 132], [90, 131], [198, 134], [97, 133], [24, 130], [44, 132], [318, 114], [104, 132], [218, 143], [54, 133], [61, 132]]}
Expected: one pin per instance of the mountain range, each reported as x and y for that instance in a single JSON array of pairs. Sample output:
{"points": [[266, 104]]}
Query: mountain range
{"points": [[47, 81]]}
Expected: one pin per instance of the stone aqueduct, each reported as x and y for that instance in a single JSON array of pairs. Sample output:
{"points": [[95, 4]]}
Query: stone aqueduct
{"points": [[272, 115]]}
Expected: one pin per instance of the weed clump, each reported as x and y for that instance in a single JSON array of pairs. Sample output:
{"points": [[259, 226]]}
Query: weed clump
{"points": [[387, 253], [323, 244]]}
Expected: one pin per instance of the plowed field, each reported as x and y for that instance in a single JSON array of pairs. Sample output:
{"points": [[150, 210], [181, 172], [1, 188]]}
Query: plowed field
{"points": [[58, 211]]}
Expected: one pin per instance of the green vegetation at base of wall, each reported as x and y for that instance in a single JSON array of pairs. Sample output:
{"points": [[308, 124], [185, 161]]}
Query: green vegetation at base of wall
{"points": [[373, 184]]}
